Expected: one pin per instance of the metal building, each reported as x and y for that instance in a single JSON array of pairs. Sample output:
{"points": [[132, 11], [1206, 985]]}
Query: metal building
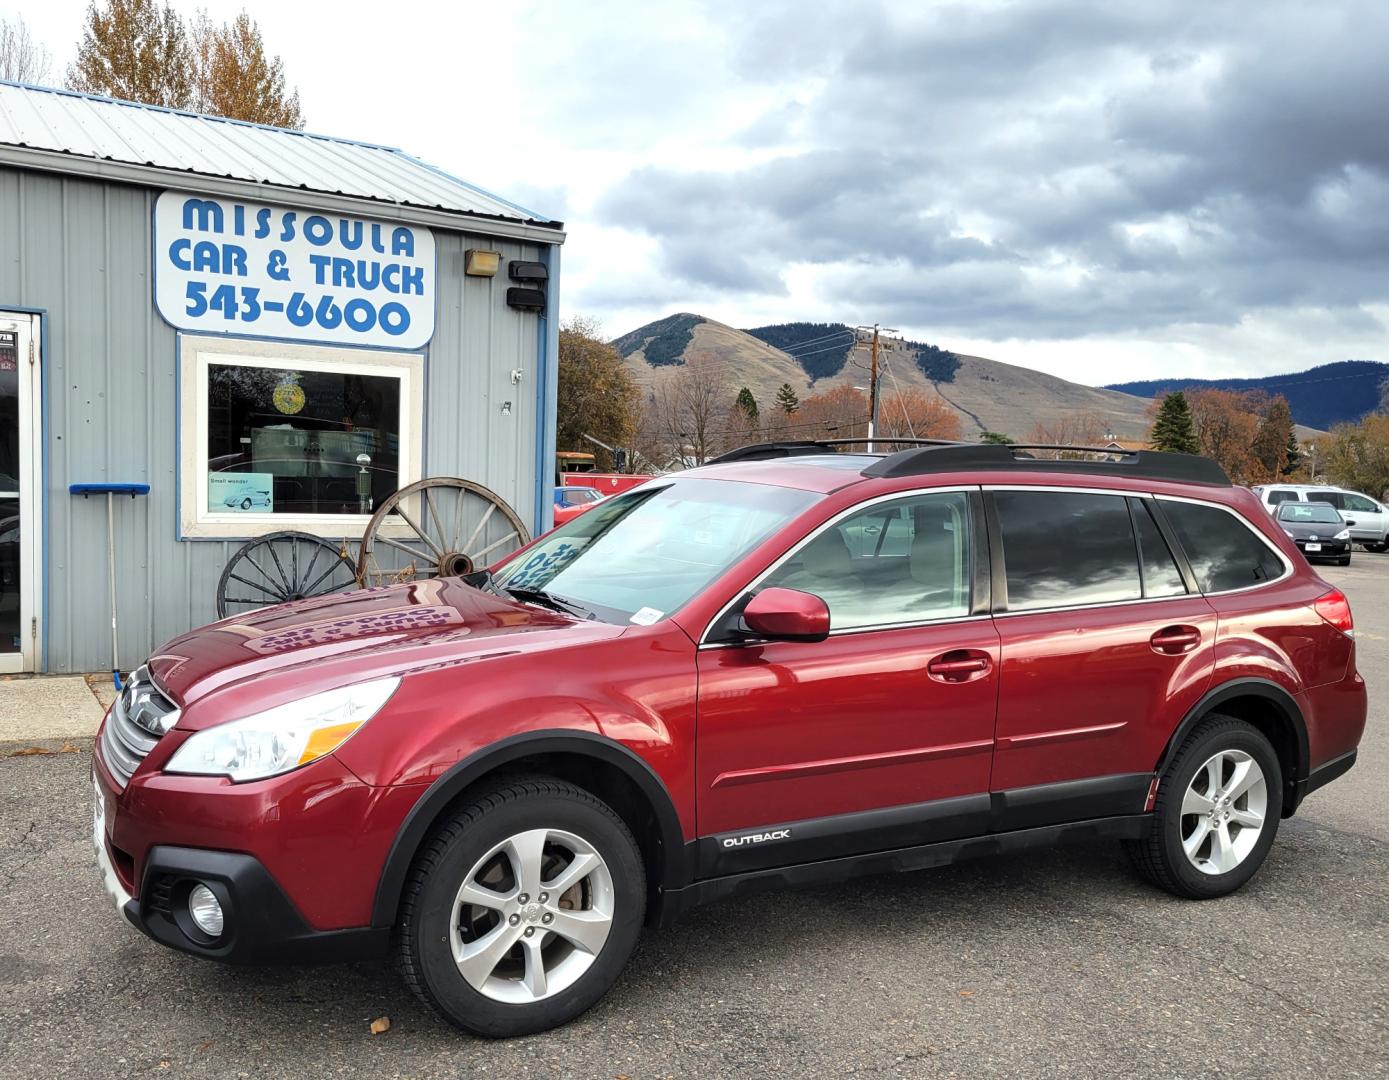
{"points": [[228, 313]]}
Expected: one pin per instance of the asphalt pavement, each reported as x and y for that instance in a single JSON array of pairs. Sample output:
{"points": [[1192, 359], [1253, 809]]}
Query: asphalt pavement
{"points": [[1055, 964]]}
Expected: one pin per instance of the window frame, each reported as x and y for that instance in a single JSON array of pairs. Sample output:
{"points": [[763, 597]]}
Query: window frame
{"points": [[979, 570], [198, 352]]}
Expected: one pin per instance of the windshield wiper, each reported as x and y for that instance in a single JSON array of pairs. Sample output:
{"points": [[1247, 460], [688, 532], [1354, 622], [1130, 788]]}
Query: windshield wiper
{"points": [[551, 601]]}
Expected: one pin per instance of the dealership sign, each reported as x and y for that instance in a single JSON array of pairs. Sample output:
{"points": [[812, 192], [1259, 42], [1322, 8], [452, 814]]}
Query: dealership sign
{"points": [[228, 267]]}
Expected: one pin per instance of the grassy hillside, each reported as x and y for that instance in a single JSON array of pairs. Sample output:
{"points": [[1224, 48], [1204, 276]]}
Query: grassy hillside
{"points": [[1319, 397]]}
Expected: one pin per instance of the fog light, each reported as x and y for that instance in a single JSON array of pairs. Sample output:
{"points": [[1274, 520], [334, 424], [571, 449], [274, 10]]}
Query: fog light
{"points": [[205, 911]]}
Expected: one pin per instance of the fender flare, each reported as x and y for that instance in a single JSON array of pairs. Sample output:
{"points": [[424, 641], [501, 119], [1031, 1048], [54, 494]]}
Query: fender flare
{"points": [[1274, 695], [420, 820]]}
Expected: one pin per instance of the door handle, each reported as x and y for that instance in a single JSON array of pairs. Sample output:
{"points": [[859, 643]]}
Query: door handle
{"points": [[1175, 640], [959, 665]]}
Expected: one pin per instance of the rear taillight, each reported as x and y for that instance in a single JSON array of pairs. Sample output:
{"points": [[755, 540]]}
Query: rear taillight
{"points": [[1335, 609]]}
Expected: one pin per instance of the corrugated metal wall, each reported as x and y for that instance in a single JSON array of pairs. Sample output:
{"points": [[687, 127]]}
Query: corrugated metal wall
{"points": [[81, 251]]}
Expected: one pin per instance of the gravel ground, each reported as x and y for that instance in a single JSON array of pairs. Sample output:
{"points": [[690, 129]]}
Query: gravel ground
{"points": [[1055, 964]]}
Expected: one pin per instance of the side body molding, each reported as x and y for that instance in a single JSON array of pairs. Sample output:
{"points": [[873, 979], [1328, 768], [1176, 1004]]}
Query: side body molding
{"points": [[1282, 702], [583, 744]]}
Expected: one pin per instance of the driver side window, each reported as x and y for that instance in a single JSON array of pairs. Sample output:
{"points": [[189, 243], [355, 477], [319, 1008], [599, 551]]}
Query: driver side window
{"points": [[903, 561]]}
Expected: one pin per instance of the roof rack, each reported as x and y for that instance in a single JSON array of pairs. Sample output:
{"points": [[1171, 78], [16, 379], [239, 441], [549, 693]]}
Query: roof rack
{"points": [[1145, 464], [805, 447]]}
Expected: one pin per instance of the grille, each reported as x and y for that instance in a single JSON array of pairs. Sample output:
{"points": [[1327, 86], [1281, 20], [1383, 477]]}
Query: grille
{"points": [[136, 722]]}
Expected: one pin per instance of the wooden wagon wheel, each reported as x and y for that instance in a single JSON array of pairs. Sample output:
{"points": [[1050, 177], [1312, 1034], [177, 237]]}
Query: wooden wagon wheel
{"points": [[280, 567], [439, 527]]}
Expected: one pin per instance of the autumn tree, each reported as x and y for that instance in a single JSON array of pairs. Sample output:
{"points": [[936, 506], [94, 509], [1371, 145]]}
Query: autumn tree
{"points": [[1071, 429], [1275, 432], [838, 413], [786, 399], [685, 417], [1172, 429], [234, 77], [1226, 423], [143, 51], [135, 49], [1356, 456], [915, 413], [22, 59], [597, 395]]}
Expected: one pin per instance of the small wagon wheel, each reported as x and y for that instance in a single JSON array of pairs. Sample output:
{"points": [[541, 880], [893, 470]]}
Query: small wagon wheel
{"points": [[438, 527], [279, 567]]}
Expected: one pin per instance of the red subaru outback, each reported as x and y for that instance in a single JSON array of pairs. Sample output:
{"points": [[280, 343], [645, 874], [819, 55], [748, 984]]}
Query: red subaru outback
{"points": [[790, 666]]}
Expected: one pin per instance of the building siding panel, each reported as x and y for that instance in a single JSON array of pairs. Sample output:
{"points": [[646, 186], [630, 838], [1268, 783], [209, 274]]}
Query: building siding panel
{"points": [[80, 250]]}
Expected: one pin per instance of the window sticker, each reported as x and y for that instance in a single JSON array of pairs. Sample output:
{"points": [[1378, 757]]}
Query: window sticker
{"points": [[646, 616]]}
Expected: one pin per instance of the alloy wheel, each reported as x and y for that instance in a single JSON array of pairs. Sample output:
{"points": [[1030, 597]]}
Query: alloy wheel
{"points": [[1223, 812], [531, 916]]}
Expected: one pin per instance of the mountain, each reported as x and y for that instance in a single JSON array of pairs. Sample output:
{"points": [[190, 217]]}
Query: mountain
{"points": [[1319, 397], [987, 395]]}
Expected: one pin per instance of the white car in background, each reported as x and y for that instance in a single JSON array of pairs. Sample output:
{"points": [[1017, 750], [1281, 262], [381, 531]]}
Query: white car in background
{"points": [[1368, 518]]}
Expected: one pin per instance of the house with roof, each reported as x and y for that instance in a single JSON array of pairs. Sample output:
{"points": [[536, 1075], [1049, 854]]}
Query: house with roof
{"points": [[272, 330]]}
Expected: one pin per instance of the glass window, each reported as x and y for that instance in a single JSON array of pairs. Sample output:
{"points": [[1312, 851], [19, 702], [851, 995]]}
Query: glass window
{"points": [[287, 436], [1332, 497], [897, 562], [1067, 548], [287, 441], [1160, 574], [1359, 503], [1314, 513], [638, 557], [1280, 495], [1223, 551]]}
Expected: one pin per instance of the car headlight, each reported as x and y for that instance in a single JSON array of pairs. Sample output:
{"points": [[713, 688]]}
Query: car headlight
{"points": [[1344, 534], [285, 737]]}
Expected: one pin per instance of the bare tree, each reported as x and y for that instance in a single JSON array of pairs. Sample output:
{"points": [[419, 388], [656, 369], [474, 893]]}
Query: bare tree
{"points": [[22, 59], [686, 412]]}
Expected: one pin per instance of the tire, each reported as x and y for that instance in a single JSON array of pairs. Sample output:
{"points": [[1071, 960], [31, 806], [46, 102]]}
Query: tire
{"points": [[1161, 856], [245, 504], [1344, 560], [482, 845]]}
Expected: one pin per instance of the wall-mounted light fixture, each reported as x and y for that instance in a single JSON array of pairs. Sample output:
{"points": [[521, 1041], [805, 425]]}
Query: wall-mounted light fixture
{"points": [[479, 263]]}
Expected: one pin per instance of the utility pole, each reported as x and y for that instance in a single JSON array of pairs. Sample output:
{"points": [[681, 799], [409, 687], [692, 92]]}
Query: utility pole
{"points": [[873, 378]]}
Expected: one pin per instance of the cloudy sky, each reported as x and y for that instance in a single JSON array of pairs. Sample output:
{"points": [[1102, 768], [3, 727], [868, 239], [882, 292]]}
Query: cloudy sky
{"points": [[1100, 190]]}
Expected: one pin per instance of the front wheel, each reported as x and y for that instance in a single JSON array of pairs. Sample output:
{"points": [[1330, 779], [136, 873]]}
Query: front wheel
{"points": [[523, 909], [1216, 814], [1344, 560]]}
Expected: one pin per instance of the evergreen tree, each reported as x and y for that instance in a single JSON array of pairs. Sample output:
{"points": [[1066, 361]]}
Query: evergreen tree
{"points": [[995, 437], [786, 399], [1172, 428], [747, 403], [1294, 455]]}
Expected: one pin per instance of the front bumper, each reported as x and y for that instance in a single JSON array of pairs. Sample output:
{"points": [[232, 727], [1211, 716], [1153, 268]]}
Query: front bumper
{"points": [[262, 926], [1330, 549]]}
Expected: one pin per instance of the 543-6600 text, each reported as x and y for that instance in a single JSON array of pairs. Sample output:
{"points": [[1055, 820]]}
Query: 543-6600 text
{"points": [[244, 303]]}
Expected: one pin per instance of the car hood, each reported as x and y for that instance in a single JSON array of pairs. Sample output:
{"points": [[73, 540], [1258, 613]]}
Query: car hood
{"points": [[330, 641], [1303, 529]]}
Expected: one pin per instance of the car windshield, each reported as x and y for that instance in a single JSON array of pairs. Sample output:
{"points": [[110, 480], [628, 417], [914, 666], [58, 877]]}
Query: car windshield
{"points": [[1311, 513], [638, 557]]}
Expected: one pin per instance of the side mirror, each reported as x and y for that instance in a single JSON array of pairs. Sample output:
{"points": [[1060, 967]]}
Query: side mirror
{"points": [[788, 615]]}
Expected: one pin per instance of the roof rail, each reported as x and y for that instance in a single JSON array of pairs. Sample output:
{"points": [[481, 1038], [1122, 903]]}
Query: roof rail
{"points": [[1145, 464], [804, 447]]}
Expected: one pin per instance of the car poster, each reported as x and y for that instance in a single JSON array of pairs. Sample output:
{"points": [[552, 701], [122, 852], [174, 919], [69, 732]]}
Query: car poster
{"points": [[241, 493]]}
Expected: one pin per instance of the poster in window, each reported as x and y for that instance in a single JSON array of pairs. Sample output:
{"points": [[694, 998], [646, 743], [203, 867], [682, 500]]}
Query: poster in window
{"points": [[241, 493], [9, 350]]}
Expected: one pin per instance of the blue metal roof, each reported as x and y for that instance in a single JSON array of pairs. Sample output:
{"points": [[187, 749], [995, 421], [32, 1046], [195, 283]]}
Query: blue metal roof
{"points": [[89, 126]]}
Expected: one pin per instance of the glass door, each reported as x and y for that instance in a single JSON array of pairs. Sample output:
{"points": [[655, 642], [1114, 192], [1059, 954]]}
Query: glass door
{"points": [[19, 411]]}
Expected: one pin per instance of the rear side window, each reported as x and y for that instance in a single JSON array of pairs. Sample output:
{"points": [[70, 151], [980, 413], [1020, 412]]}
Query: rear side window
{"points": [[1223, 551], [1280, 495], [1333, 497], [1061, 549]]}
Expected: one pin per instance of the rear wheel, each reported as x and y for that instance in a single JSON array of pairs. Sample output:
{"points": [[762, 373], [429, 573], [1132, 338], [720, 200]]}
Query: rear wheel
{"points": [[1216, 814], [523, 909]]}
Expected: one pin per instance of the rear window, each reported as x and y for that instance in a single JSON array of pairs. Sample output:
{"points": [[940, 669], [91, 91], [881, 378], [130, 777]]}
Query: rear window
{"points": [[1223, 551], [1315, 513], [1067, 548], [1280, 495]]}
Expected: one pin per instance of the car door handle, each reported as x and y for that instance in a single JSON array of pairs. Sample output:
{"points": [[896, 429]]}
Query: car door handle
{"points": [[1176, 639], [959, 665]]}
